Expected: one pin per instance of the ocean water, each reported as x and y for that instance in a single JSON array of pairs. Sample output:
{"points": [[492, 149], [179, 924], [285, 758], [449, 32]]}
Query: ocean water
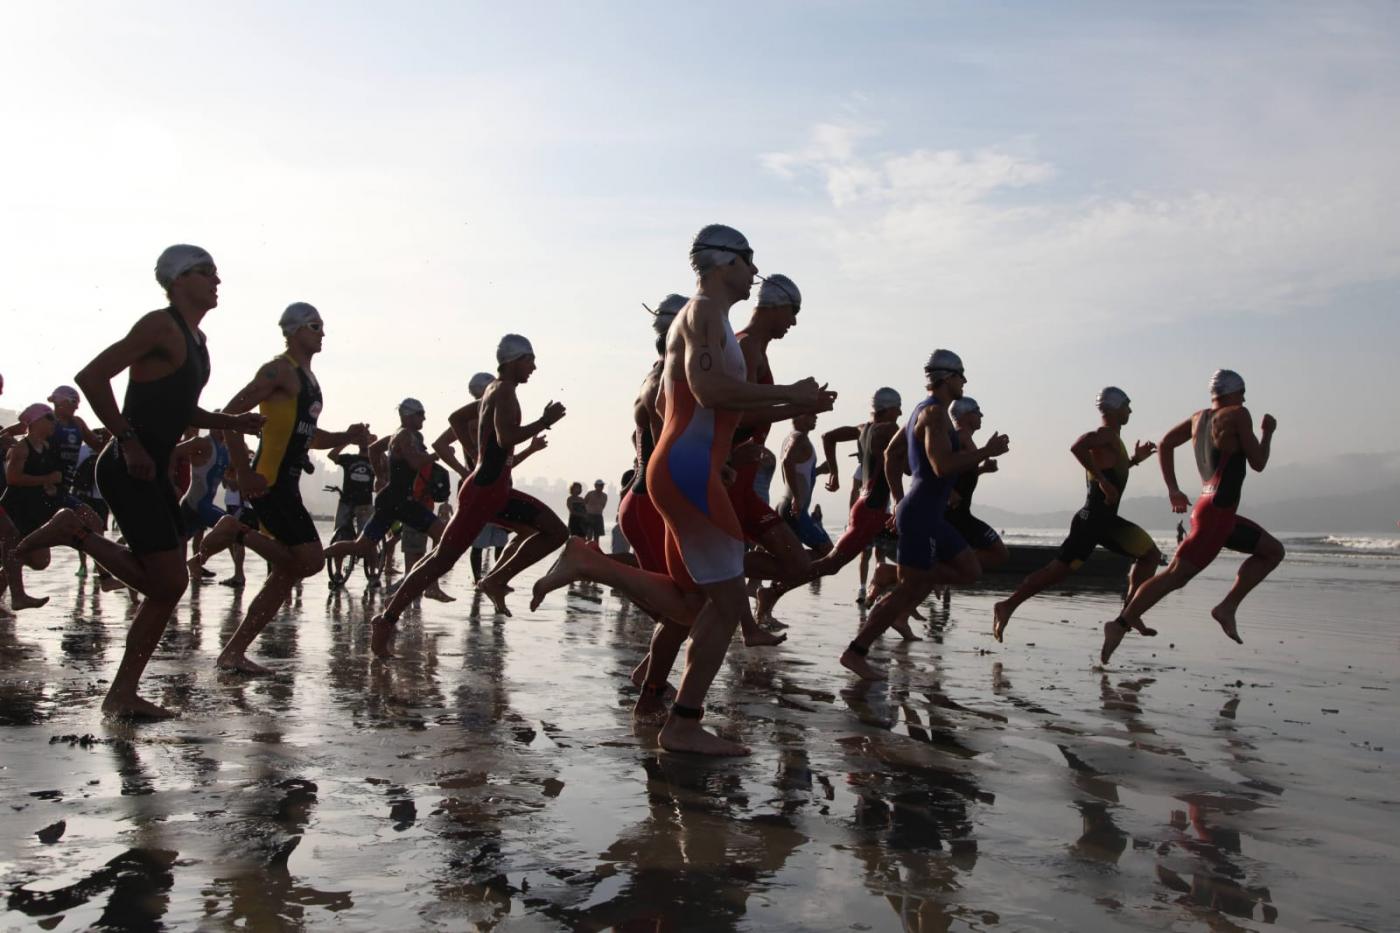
{"points": [[493, 779]]}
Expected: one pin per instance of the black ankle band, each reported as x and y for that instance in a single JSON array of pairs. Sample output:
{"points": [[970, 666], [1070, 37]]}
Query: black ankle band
{"points": [[857, 649], [653, 690], [1124, 623], [687, 712]]}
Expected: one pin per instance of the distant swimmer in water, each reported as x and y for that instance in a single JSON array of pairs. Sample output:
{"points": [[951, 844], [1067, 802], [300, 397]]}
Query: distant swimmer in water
{"points": [[1097, 524], [930, 550], [1223, 436], [166, 361]]}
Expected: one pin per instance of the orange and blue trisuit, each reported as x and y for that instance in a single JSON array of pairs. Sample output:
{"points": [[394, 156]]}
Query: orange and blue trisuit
{"points": [[704, 542]]}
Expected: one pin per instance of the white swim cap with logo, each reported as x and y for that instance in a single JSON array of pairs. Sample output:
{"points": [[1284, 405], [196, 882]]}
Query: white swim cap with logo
{"points": [[717, 245], [963, 407], [666, 312], [1225, 382], [885, 398], [479, 382], [297, 316], [1112, 398], [944, 362], [511, 348], [777, 291], [177, 260], [411, 406]]}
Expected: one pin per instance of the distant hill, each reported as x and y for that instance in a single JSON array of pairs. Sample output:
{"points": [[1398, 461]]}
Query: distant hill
{"points": [[1373, 512]]}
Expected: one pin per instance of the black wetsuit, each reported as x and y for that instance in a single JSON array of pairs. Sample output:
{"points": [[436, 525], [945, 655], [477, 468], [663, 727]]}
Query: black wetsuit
{"points": [[159, 411], [975, 531], [31, 506], [1098, 524], [286, 436], [395, 502]]}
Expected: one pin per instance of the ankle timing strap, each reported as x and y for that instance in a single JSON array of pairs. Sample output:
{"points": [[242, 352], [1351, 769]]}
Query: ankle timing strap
{"points": [[687, 712], [854, 648]]}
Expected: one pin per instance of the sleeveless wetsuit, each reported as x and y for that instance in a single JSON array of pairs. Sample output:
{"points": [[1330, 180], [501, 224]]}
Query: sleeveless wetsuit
{"points": [[395, 501], [704, 541], [1214, 522], [486, 496], [871, 511], [751, 506], [925, 536], [85, 484], [975, 532], [1098, 524], [641, 524], [67, 441], [30, 506], [286, 436], [804, 525], [198, 501], [159, 411]]}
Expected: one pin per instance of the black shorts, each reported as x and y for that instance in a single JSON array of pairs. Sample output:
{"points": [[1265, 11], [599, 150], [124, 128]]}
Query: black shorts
{"points": [[977, 533], [29, 512], [1092, 528], [411, 513], [147, 511], [282, 516], [521, 511]]}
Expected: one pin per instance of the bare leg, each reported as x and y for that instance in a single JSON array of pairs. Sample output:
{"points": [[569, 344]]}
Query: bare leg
{"points": [[1151, 592], [823, 566], [656, 593], [237, 552], [914, 584], [725, 604], [440, 560], [304, 560], [14, 567], [527, 549], [666, 641], [1046, 576], [164, 580], [1252, 572]]}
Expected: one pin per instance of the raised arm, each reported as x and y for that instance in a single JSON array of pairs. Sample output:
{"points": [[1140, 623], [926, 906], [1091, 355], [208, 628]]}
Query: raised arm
{"points": [[1255, 449], [443, 448], [704, 337], [829, 441], [938, 446]]}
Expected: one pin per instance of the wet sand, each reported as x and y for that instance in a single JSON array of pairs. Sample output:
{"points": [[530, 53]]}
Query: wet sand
{"points": [[493, 777]]}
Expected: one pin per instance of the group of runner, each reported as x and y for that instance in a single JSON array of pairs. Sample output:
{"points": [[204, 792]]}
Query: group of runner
{"points": [[695, 509]]}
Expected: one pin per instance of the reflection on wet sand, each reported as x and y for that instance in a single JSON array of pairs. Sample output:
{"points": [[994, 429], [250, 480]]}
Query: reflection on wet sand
{"points": [[493, 777]]}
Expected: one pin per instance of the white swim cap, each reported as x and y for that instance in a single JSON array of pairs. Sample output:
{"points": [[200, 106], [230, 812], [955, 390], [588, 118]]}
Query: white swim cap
{"points": [[944, 362], [963, 407], [511, 348], [297, 316], [411, 406], [1225, 382], [177, 260], [64, 393], [1112, 398], [718, 245], [778, 290], [885, 398], [666, 312], [478, 384]]}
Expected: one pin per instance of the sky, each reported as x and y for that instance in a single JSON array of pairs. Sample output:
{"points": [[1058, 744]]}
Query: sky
{"points": [[1068, 195]]}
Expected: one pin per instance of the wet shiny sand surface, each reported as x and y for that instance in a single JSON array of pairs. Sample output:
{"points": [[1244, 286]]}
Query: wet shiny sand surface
{"points": [[493, 777]]}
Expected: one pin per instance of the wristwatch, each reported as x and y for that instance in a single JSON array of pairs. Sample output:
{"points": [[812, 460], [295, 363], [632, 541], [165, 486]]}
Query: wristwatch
{"points": [[128, 435]]}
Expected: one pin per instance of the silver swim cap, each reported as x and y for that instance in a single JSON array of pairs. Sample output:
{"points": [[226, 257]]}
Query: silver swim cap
{"points": [[666, 312], [511, 348], [1225, 382], [944, 361], [778, 290], [411, 406], [479, 382], [298, 315], [963, 407], [1112, 398], [177, 260], [884, 398], [64, 393], [718, 245]]}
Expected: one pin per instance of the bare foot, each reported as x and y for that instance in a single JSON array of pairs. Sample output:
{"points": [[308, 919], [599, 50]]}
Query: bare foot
{"points": [[902, 627], [566, 569], [18, 602], [195, 565], [108, 584], [686, 735], [1001, 618], [756, 637], [914, 614], [496, 592], [235, 582], [862, 668], [59, 530], [1113, 634], [381, 638], [435, 592], [1226, 618], [133, 707], [651, 709], [239, 664], [1142, 629]]}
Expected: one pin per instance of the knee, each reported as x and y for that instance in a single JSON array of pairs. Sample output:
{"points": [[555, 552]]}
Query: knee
{"points": [[37, 559], [796, 563], [1272, 550], [1153, 558], [168, 590], [308, 565]]}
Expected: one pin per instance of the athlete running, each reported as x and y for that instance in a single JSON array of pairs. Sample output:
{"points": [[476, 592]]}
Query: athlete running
{"points": [[33, 493], [289, 397], [990, 549], [1224, 442], [167, 360], [800, 471], [930, 550], [486, 494], [356, 501], [870, 511], [1106, 463], [706, 386]]}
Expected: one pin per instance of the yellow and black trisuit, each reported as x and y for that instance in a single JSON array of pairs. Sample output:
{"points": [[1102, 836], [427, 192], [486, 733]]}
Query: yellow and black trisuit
{"points": [[281, 460]]}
